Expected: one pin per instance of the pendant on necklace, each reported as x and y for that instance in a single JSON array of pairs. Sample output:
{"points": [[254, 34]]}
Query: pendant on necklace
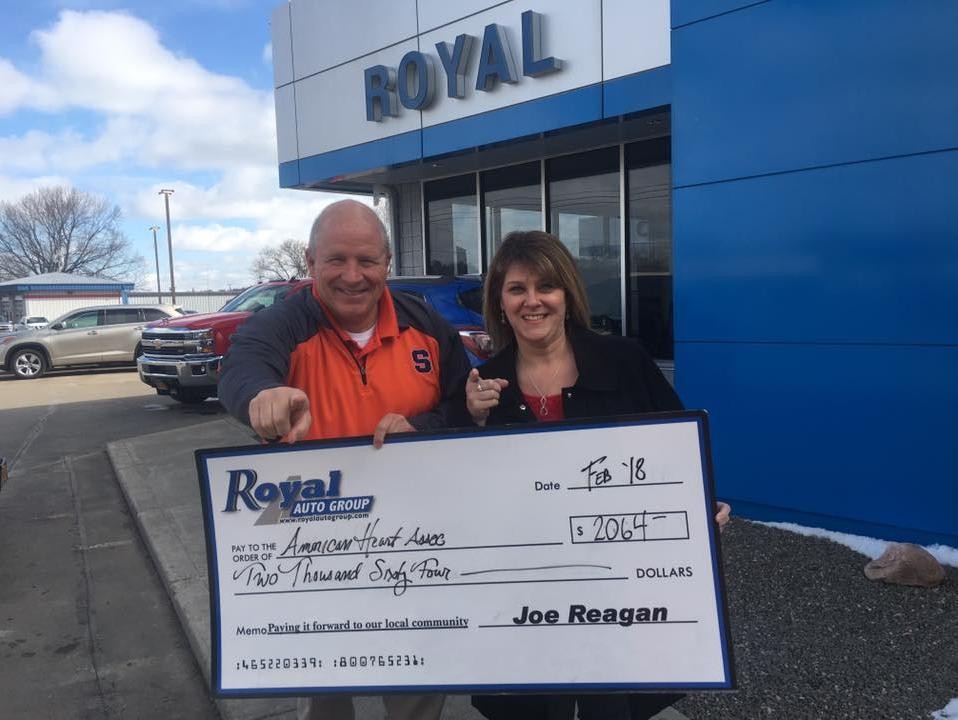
{"points": [[543, 410]]}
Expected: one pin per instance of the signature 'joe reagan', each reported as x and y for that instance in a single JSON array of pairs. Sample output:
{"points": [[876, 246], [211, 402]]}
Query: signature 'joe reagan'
{"points": [[579, 614]]}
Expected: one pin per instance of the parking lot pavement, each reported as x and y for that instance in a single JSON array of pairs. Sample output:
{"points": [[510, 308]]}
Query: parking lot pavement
{"points": [[86, 627]]}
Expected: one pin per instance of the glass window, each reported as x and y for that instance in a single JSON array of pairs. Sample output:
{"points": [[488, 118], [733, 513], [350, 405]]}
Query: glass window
{"points": [[452, 226], [81, 320], [584, 214], [121, 316], [512, 200], [151, 314], [649, 258], [256, 298]]}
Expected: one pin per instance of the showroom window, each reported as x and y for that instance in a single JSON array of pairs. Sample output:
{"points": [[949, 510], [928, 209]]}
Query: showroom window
{"points": [[452, 226], [649, 240], [511, 200], [584, 209], [583, 195]]}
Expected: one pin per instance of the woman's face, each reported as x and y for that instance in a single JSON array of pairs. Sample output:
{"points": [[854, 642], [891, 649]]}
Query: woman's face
{"points": [[534, 308]]}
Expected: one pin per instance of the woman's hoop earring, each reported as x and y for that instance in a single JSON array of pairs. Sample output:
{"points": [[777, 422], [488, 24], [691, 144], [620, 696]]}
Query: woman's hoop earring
{"points": [[502, 315]]}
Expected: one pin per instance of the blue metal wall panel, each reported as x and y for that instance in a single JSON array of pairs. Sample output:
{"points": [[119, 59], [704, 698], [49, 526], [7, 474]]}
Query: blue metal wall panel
{"points": [[855, 253], [637, 92], [816, 258], [784, 85], [394, 150], [690, 11], [289, 174], [562, 110], [862, 433]]}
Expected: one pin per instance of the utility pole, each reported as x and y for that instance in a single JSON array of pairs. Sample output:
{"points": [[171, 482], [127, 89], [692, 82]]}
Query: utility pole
{"points": [[169, 242], [156, 254]]}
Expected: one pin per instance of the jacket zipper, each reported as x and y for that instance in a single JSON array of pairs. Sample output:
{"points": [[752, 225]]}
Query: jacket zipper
{"points": [[360, 365]]}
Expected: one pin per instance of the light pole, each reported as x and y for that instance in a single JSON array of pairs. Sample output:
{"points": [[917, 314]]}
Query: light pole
{"points": [[169, 242], [156, 254]]}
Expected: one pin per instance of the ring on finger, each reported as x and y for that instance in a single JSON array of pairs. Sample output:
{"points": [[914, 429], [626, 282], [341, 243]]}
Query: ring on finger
{"points": [[478, 386]]}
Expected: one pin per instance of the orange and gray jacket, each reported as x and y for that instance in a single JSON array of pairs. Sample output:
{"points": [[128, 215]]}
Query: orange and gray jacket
{"points": [[414, 365]]}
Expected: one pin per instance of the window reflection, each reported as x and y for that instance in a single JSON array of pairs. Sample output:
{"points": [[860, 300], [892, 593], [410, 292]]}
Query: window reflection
{"points": [[512, 200], [649, 287], [584, 214], [452, 226]]}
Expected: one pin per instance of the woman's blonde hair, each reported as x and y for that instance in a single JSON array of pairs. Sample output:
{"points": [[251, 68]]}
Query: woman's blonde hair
{"points": [[544, 255]]}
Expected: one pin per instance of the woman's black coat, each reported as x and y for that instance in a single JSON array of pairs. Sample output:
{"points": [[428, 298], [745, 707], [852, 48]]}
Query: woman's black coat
{"points": [[616, 377]]}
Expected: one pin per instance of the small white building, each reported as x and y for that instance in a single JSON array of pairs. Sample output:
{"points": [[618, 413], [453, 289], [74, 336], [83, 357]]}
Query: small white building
{"points": [[52, 294]]}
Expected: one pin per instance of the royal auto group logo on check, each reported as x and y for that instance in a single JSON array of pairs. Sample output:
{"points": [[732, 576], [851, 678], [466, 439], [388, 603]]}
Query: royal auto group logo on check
{"points": [[294, 499]]}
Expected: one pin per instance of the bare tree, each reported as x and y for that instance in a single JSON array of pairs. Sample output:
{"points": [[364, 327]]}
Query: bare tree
{"points": [[283, 262], [62, 229]]}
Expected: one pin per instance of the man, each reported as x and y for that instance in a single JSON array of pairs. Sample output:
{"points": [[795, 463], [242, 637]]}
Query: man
{"points": [[346, 358]]}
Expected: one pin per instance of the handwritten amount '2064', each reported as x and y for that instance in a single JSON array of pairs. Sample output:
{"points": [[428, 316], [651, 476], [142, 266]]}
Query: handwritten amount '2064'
{"points": [[612, 528]]}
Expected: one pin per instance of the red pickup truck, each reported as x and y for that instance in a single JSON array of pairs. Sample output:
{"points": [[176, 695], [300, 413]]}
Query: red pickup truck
{"points": [[181, 356]]}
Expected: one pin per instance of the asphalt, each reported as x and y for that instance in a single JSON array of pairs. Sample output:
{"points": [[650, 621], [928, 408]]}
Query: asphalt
{"points": [[812, 637], [86, 627]]}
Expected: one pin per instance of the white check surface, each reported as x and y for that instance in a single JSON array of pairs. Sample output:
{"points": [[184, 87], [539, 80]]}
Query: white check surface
{"points": [[544, 559]]}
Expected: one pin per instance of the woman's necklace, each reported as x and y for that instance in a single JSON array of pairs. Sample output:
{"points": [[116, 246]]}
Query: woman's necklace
{"points": [[543, 406]]}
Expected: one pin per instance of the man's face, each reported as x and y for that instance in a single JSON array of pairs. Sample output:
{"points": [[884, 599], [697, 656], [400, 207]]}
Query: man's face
{"points": [[349, 268]]}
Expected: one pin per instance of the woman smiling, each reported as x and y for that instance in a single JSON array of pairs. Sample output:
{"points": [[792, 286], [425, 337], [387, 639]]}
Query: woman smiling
{"points": [[551, 366]]}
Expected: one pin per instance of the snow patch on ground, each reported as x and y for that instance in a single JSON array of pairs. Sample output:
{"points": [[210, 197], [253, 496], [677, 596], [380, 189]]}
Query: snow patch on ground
{"points": [[948, 712], [872, 548]]}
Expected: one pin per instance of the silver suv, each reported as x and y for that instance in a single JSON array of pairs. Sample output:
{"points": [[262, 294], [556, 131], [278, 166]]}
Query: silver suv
{"points": [[88, 336]]}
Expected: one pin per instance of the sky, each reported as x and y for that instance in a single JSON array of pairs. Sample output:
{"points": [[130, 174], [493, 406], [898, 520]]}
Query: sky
{"points": [[121, 99]]}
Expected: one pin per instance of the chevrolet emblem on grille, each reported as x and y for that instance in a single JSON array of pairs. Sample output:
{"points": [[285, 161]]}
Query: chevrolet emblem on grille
{"points": [[157, 343]]}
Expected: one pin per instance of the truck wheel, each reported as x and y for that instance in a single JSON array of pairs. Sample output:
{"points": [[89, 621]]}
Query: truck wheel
{"points": [[28, 364], [190, 396]]}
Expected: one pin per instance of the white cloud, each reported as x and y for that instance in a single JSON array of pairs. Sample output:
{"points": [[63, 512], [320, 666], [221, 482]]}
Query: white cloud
{"points": [[268, 54], [159, 109], [15, 87], [192, 275], [125, 116], [12, 189], [247, 194]]}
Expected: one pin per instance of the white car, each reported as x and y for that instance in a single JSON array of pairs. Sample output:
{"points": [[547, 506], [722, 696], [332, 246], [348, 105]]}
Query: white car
{"points": [[33, 322]]}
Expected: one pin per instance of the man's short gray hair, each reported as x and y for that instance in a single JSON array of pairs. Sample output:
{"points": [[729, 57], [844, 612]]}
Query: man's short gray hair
{"points": [[341, 206]]}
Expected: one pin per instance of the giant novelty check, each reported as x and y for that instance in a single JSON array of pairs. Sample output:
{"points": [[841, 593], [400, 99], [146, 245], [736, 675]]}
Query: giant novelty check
{"points": [[549, 557]]}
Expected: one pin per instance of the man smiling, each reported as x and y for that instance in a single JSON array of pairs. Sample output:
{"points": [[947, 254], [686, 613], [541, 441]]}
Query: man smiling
{"points": [[346, 358]]}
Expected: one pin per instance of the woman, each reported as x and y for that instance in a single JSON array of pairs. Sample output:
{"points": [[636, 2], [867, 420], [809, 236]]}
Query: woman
{"points": [[550, 366]]}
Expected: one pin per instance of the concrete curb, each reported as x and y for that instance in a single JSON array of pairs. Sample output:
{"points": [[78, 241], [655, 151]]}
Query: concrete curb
{"points": [[157, 478]]}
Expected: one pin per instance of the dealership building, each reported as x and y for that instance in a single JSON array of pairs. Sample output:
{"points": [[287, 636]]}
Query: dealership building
{"points": [[764, 193]]}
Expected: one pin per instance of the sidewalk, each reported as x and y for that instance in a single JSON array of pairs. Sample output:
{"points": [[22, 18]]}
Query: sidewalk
{"points": [[812, 637]]}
